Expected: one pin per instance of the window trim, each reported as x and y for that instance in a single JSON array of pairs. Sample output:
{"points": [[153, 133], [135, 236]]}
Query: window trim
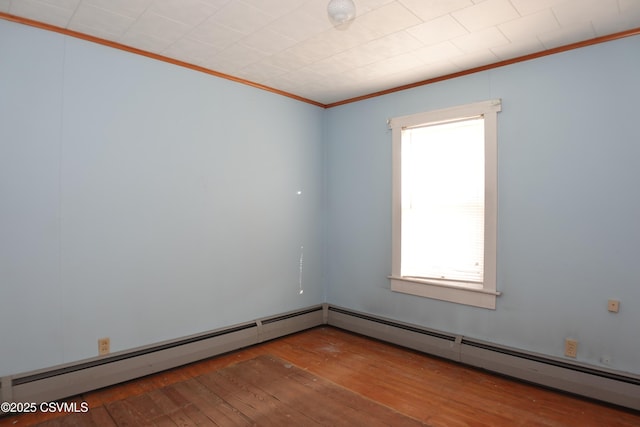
{"points": [[441, 289]]}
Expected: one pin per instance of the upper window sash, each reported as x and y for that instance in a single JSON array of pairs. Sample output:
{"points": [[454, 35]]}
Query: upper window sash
{"points": [[444, 115]]}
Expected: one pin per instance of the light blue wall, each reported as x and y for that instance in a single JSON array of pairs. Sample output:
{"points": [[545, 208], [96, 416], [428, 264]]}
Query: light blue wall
{"points": [[569, 205], [144, 201]]}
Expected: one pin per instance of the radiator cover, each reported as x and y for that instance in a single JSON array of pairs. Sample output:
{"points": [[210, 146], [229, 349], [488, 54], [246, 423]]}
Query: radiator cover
{"points": [[79, 377], [622, 389], [63, 381]]}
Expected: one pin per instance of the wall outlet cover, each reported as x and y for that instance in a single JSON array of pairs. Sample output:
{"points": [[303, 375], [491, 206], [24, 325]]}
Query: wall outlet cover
{"points": [[571, 347], [613, 305], [104, 346]]}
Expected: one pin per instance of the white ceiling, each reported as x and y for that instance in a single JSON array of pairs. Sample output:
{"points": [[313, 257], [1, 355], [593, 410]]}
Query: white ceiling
{"points": [[290, 45]]}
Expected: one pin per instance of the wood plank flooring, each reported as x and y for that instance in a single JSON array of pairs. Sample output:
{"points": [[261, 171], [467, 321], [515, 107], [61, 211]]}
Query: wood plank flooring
{"points": [[428, 390]]}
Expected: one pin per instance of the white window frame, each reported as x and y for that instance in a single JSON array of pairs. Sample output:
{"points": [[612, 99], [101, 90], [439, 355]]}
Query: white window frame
{"points": [[485, 296]]}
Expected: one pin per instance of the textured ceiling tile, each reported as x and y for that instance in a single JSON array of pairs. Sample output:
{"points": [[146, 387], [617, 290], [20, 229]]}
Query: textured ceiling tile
{"points": [[391, 45], [567, 35], [238, 56], [356, 33], [315, 49], [216, 3], [444, 51], [338, 41], [318, 9], [484, 39], [92, 31], [526, 7], [292, 59], [579, 11], [430, 9], [343, 87], [283, 61], [437, 30], [41, 11], [529, 25], [393, 64], [214, 34], [190, 12], [300, 25], [331, 42], [191, 50], [307, 76], [261, 72], [63, 4], [400, 62], [388, 19], [366, 6], [130, 8], [268, 41], [275, 8], [438, 69], [346, 80], [328, 68], [292, 45], [418, 74], [241, 17], [160, 27], [518, 48], [285, 82], [100, 21], [628, 19], [144, 42], [608, 25], [362, 74], [475, 59], [486, 14]]}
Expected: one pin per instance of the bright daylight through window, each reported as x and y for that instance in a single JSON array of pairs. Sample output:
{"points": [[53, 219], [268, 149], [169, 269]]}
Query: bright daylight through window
{"points": [[444, 204]]}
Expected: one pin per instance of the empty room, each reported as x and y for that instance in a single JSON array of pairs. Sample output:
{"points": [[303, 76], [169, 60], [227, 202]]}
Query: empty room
{"points": [[320, 212]]}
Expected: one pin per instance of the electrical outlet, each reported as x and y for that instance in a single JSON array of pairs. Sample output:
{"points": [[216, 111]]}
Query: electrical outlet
{"points": [[104, 346], [613, 305], [570, 347]]}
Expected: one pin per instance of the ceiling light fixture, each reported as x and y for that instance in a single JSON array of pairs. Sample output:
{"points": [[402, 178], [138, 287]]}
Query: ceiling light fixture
{"points": [[341, 11]]}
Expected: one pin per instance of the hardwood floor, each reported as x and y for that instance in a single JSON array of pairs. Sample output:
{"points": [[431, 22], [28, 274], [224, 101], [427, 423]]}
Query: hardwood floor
{"points": [[431, 391]]}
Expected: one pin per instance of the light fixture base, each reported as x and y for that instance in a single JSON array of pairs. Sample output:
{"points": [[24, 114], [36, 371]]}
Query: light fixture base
{"points": [[341, 11]]}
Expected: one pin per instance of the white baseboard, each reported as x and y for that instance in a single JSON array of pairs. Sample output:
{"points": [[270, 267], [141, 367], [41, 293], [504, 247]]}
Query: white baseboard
{"points": [[62, 381], [609, 386]]}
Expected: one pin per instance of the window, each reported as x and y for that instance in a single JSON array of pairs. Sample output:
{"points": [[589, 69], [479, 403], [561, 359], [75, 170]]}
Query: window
{"points": [[445, 204]]}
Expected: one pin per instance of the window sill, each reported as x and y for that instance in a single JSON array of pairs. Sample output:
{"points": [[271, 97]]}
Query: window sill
{"points": [[445, 291]]}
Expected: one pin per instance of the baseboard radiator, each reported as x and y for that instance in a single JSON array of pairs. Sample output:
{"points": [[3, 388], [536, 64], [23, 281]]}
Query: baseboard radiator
{"points": [[608, 386], [72, 379]]}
